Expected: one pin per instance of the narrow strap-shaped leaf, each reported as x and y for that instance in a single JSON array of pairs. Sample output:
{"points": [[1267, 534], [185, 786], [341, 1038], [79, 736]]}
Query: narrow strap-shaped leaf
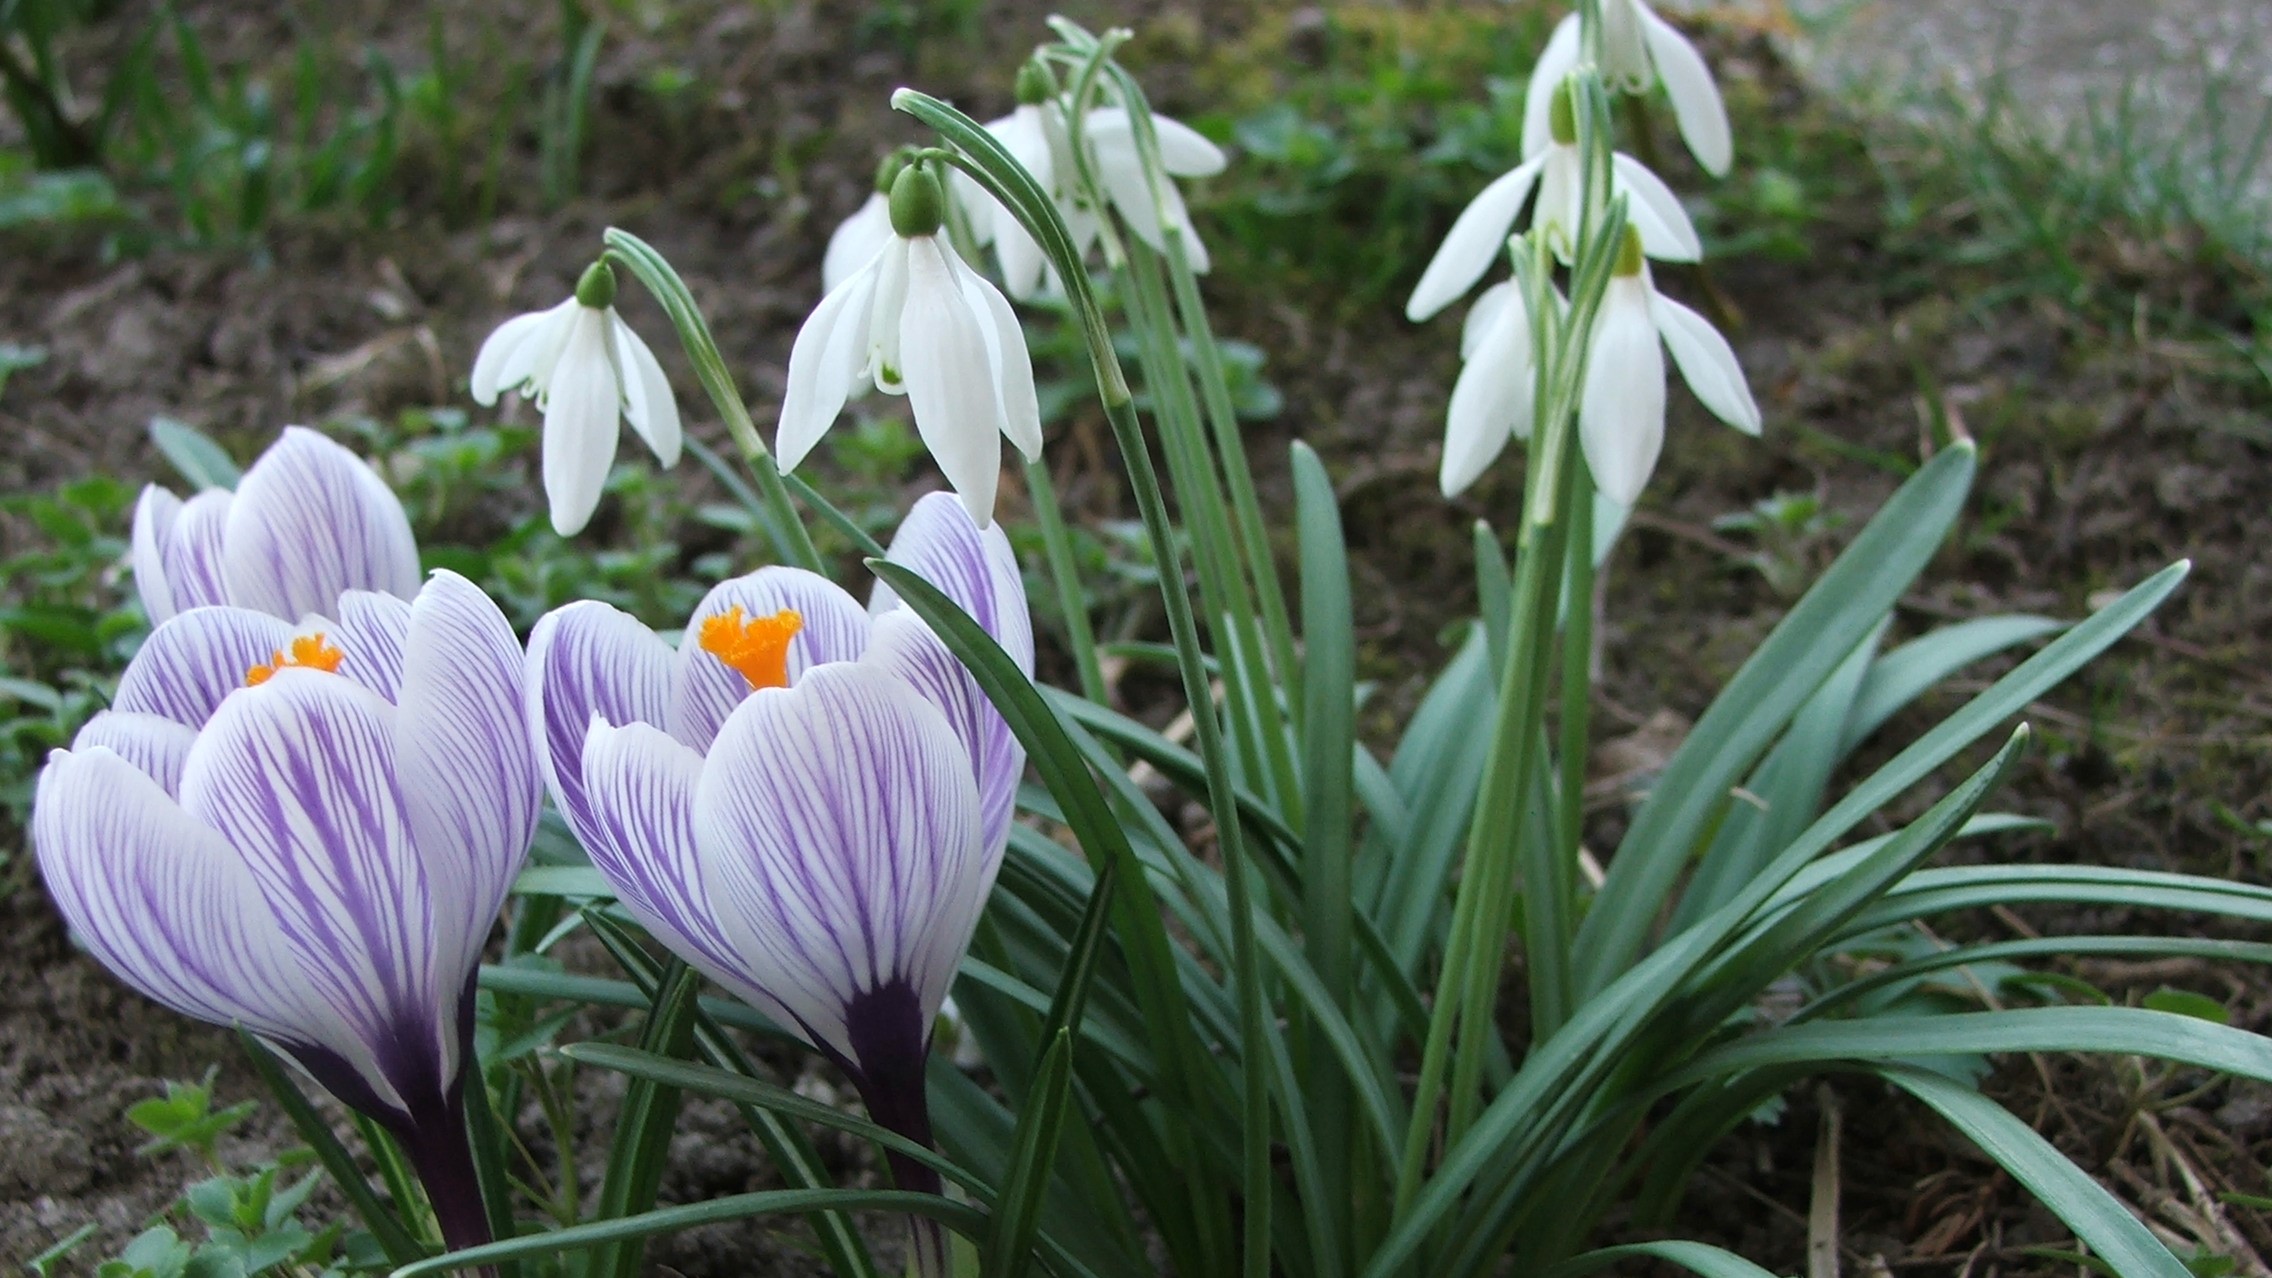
{"points": [[2097, 1217], [1009, 1241], [488, 1138], [644, 1120], [385, 1226], [2041, 947], [1909, 671], [1811, 640], [602, 992], [1695, 1257]]}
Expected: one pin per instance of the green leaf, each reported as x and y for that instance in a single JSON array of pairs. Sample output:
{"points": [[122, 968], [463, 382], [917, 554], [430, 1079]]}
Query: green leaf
{"points": [[1009, 1243], [1909, 671], [1851, 598], [2097, 1217], [202, 462], [2187, 1003], [1695, 1257], [644, 1119]]}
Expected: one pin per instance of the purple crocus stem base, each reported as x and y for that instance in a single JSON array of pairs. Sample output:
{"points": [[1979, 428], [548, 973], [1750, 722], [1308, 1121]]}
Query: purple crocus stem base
{"points": [[442, 1155], [890, 1042]]}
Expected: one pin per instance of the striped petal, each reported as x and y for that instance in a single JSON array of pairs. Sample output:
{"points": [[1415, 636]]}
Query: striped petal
{"points": [[584, 660], [467, 769], [301, 776], [705, 690], [950, 384], [177, 551], [1476, 239], [1696, 104], [311, 520], [1706, 362], [640, 784], [189, 664], [975, 567], [647, 400], [155, 745], [1555, 62], [825, 363], [1621, 413], [166, 904], [372, 632], [582, 415], [839, 827], [906, 646]]}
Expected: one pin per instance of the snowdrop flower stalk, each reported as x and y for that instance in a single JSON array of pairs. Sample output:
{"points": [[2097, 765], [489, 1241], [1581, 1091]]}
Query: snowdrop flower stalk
{"points": [[1621, 414], [1635, 50], [807, 801], [306, 831], [917, 321], [308, 520], [589, 373], [1557, 172]]}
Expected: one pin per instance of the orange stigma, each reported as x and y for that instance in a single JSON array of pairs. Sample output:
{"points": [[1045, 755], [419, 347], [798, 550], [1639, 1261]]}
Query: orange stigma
{"points": [[757, 647], [309, 651]]}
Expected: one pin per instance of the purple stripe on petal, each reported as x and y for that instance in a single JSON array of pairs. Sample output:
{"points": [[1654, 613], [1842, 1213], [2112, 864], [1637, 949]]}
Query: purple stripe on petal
{"points": [[311, 520], [300, 775], [372, 631], [707, 689], [168, 905], [589, 659], [838, 826], [154, 744], [468, 773], [190, 663], [907, 647], [641, 784], [976, 568]]}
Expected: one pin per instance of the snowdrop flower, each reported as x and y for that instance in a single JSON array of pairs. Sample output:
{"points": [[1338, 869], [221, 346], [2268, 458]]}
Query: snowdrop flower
{"points": [[1493, 400], [1480, 231], [306, 831], [1621, 410], [807, 801], [1034, 135], [861, 236], [309, 520], [1118, 167], [1638, 48], [589, 372], [919, 322]]}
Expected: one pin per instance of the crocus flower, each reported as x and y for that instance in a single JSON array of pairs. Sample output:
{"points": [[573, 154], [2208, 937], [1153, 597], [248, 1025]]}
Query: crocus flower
{"points": [[807, 801], [1638, 48], [1480, 231], [308, 520], [919, 322], [306, 831], [589, 373], [1621, 410]]}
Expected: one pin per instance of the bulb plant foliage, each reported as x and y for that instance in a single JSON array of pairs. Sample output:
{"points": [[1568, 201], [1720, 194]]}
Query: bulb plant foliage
{"points": [[1272, 1042]]}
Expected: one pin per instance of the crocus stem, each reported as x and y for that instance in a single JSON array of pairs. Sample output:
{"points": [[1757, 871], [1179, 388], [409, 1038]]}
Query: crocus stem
{"points": [[443, 1158]]}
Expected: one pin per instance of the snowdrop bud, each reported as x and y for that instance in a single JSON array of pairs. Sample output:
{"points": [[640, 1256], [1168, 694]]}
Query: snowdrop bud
{"points": [[1562, 116], [918, 206], [1628, 254], [596, 287], [891, 166], [1035, 84]]}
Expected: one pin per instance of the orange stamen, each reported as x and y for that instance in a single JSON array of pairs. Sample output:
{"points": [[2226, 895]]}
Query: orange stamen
{"points": [[308, 651], [756, 647]]}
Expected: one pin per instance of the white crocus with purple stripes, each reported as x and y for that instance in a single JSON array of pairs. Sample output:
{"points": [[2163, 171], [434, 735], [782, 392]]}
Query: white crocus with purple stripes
{"points": [[308, 521], [307, 831], [919, 322], [808, 800], [589, 373], [1638, 49]]}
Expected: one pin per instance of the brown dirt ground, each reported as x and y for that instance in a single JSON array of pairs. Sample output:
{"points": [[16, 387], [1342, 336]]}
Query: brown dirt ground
{"points": [[2107, 453]]}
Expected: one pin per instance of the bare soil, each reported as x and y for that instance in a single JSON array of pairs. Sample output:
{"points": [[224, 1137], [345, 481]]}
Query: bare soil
{"points": [[2109, 449]]}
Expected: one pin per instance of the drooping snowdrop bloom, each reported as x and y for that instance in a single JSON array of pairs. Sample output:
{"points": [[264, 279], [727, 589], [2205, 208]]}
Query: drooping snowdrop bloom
{"points": [[808, 800], [1494, 399], [308, 520], [1034, 135], [1118, 164], [307, 830], [1638, 48], [919, 322], [1480, 231], [864, 234], [589, 373], [1621, 410]]}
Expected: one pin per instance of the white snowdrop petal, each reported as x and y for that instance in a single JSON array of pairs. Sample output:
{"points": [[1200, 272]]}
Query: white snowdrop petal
{"points": [[1621, 412], [950, 386], [1477, 237], [1666, 233], [1555, 63], [580, 423], [1707, 363], [1696, 104], [648, 403], [823, 365]]}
